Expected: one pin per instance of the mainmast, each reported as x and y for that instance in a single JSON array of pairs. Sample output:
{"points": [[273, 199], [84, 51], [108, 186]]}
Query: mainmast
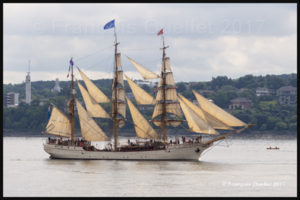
{"points": [[164, 110], [71, 108], [115, 101], [115, 86]]}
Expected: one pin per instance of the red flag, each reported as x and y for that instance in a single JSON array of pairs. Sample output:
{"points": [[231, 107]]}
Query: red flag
{"points": [[160, 32], [155, 90]]}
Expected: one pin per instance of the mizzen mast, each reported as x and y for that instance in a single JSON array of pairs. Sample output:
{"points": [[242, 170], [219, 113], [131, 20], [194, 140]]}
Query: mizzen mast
{"points": [[167, 108]]}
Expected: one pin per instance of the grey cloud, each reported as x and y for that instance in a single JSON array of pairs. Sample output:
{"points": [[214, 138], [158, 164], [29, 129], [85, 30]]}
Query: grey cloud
{"points": [[195, 20], [50, 34]]}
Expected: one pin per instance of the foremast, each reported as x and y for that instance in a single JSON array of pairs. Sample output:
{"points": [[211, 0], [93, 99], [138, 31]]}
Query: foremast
{"points": [[72, 103]]}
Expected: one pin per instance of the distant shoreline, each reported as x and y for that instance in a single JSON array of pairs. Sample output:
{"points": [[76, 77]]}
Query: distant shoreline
{"points": [[248, 135]]}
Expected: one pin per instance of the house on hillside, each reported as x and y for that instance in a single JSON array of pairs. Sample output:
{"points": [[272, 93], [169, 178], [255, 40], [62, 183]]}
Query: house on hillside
{"points": [[240, 103], [148, 83], [287, 95], [262, 91], [242, 90]]}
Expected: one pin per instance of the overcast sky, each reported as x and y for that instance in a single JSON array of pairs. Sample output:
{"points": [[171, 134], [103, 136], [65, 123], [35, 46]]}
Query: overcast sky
{"points": [[206, 40]]}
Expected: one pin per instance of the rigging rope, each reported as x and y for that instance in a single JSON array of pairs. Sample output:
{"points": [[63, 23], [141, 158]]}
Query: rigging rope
{"points": [[210, 148], [101, 61], [83, 57], [139, 49]]}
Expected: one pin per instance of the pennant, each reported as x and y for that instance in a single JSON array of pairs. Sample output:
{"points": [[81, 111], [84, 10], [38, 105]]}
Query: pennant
{"points": [[71, 63], [160, 32], [110, 24]]}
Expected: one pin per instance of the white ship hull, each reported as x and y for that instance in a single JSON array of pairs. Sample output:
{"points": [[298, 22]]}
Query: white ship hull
{"points": [[186, 151]]}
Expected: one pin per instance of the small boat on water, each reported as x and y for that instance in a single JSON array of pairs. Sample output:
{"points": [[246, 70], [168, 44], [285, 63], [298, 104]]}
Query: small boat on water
{"points": [[273, 148]]}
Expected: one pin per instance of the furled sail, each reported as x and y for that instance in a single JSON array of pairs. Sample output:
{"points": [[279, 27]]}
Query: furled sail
{"points": [[93, 109], [217, 112], [59, 124], [118, 93], [146, 74], [195, 122], [167, 95], [170, 89], [141, 96], [169, 79], [119, 62], [173, 123], [170, 108], [120, 79], [215, 123], [167, 64], [89, 129], [94, 91], [141, 125]]}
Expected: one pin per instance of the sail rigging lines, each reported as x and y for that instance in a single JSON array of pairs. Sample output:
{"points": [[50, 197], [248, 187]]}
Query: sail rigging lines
{"points": [[144, 72], [89, 130], [142, 127], [93, 109], [101, 61], [88, 55], [217, 112], [94, 91], [122, 49], [59, 124], [194, 119], [140, 95]]}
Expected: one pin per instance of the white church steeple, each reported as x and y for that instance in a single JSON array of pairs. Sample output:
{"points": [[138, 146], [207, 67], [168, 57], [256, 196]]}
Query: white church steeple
{"points": [[28, 86]]}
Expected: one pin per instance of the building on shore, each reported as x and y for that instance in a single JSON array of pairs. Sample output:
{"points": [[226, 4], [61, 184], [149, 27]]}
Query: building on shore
{"points": [[28, 87], [262, 91], [148, 83], [56, 88], [287, 95], [240, 103], [11, 99]]}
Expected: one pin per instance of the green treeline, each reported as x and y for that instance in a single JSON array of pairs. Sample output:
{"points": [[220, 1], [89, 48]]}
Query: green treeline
{"points": [[266, 112]]}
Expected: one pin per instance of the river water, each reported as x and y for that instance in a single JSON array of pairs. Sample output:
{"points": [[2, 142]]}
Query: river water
{"points": [[231, 168]]}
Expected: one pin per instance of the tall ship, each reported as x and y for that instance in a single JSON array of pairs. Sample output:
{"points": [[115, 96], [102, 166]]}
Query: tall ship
{"points": [[170, 109]]}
